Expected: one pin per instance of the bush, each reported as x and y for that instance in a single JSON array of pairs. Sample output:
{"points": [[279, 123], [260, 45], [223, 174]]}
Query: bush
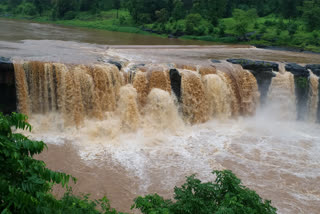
{"points": [[225, 195], [70, 15], [26, 9], [195, 25], [282, 25], [269, 23], [292, 28]]}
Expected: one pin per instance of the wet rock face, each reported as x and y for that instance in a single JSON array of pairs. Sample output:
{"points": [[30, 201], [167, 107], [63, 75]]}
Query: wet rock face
{"points": [[297, 70], [175, 78], [315, 68], [118, 64], [255, 65], [7, 86], [263, 72], [264, 79]]}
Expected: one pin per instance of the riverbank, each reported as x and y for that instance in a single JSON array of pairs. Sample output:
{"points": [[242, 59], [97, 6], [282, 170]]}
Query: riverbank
{"points": [[107, 21]]}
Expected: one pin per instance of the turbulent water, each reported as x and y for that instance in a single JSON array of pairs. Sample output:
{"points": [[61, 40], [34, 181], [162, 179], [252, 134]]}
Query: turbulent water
{"points": [[155, 124]]}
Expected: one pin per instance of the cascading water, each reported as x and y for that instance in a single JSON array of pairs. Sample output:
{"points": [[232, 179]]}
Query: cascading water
{"points": [[79, 92], [313, 100], [218, 95], [281, 100], [156, 124]]}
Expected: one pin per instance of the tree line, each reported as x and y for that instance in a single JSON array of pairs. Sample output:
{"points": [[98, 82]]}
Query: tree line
{"points": [[200, 17]]}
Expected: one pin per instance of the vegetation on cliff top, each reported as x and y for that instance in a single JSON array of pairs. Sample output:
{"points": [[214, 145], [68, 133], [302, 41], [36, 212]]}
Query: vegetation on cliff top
{"points": [[291, 23]]}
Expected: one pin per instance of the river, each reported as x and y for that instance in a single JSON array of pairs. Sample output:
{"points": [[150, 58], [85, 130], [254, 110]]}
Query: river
{"points": [[144, 142]]}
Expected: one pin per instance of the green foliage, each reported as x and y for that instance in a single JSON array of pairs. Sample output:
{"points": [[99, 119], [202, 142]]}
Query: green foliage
{"points": [[162, 15], [26, 9], [292, 28], [302, 82], [242, 20], [195, 25], [177, 10], [26, 183], [225, 195], [311, 11]]}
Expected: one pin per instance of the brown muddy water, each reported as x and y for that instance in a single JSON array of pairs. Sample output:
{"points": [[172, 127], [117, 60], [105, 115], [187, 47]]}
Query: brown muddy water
{"points": [[125, 135]]}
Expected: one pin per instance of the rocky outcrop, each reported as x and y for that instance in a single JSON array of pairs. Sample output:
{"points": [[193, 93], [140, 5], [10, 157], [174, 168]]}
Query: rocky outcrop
{"points": [[255, 65], [297, 70], [175, 78], [315, 68], [116, 63], [7, 86], [263, 72], [120, 64]]}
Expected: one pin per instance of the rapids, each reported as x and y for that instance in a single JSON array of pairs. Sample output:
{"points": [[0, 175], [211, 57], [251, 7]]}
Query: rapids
{"points": [[142, 129]]}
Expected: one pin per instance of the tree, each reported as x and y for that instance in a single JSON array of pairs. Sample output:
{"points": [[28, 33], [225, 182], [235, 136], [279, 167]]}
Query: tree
{"points": [[162, 16], [24, 181], [12, 4], [177, 11], [216, 10], [225, 195], [192, 23], [242, 20], [116, 5], [41, 5], [62, 7], [311, 11], [289, 8]]}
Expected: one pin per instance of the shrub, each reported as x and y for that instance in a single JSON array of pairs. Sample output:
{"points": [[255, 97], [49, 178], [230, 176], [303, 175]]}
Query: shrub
{"points": [[196, 25], [225, 195], [242, 20], [122, 20], [292, 28], [269, 23], [70, 15], [192, 23], [26, 9], [282, 25]]}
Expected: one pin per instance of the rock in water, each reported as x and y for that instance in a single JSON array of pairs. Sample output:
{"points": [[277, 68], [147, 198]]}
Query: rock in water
{"points": [[297, 70], [7, 86], [255, 65], [175, 78], [315, 68]]}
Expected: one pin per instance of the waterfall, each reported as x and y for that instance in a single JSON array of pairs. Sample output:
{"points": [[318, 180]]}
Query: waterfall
{"points": [[313, 97], [281, 101], [162, 95]]}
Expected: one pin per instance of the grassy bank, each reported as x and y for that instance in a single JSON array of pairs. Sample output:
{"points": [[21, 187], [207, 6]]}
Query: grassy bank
{"points": [[264, 31]]}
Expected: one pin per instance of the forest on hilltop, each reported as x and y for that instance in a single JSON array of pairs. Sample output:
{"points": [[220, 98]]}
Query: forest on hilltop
{"points": [[292, 23]]}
